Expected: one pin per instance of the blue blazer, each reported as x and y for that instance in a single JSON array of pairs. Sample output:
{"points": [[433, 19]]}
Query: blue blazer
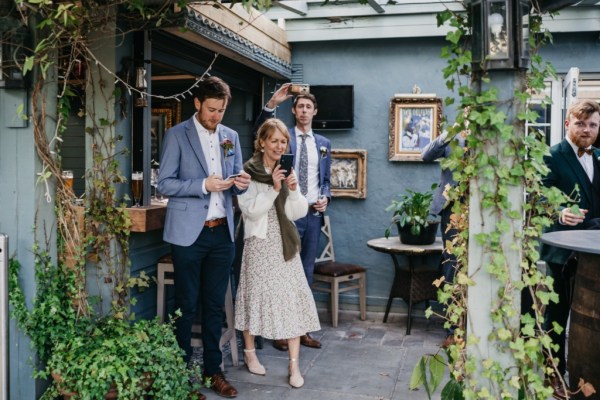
{"points": [[320, 141], [183, 167], [565, 173]]}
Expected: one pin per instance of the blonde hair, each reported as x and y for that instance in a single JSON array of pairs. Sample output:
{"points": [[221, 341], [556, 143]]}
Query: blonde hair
{"points": [[267, 129]]}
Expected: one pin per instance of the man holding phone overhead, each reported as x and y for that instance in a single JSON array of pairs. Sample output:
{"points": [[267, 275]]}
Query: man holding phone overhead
{"points": [[312, 164]]}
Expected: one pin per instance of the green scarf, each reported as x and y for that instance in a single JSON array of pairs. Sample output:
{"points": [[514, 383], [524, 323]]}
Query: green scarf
{"points": [[289, 233]]}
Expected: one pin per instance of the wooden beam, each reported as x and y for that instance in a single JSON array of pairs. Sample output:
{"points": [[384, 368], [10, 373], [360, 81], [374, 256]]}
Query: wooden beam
{"points": [[375, 6], [297, 7], [175, 77]]}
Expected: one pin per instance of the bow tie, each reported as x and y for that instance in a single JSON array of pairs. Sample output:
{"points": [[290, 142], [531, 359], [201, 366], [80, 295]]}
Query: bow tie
{"points": [[581, 151]]}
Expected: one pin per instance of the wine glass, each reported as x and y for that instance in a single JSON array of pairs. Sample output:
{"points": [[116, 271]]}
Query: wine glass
{"points": [[154, 182], [137, 183], [320, 196]]}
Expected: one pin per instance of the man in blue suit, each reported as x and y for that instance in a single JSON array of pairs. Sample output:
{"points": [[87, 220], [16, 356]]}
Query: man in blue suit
{"points": [[573, 162], [197, 157], [315, 175]]}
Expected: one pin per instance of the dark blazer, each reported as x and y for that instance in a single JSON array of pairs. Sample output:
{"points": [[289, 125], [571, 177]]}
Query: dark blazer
{"points": [[182, 169], [565, 173], [440, 148], [321, 142]]}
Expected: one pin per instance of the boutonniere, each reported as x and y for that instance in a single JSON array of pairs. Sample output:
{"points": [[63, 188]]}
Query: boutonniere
{"points": [[227, 146], [323, 151]]}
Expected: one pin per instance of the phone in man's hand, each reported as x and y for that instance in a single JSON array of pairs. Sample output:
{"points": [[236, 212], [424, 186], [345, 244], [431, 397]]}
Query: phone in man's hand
{"points": [[232, 176], [286, 162]]}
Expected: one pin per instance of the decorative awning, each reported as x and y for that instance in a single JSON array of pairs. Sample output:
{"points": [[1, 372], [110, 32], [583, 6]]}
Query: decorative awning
{"points": [[245, 36]]}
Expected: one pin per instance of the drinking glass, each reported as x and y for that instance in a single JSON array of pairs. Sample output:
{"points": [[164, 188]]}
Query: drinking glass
{"points": [[321, 196], [67, 176], [154, 182], [137, 183]]}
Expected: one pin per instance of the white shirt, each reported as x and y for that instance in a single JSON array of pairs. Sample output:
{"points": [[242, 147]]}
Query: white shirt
{"points": [[586, 160], [313, 163], [211, 148]]}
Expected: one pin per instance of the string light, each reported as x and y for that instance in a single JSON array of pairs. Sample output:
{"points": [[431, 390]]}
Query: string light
{"points": [[131, 88]]}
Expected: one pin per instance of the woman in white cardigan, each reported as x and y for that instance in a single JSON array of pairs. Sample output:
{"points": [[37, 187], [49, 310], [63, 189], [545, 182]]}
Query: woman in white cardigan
{"points": [[273, 298]]}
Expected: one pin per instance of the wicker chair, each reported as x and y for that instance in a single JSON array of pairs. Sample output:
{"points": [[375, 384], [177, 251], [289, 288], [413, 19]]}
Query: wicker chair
{"points": [[335, 277]]}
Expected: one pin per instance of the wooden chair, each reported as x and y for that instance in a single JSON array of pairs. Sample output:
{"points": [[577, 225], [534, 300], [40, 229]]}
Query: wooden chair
{"points": [[335, 277], [165, 277]]}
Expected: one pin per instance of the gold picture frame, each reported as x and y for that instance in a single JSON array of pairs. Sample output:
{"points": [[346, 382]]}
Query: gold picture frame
{"points": [[348, 174], [415, 121], [165, 114]]}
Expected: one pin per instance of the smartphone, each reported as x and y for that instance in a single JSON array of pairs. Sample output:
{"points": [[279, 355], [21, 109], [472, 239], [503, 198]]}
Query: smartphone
{"points": [[300, 88], [287, 162], [232, 176]]}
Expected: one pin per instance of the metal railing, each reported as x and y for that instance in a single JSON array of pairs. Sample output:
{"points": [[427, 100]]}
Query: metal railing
{"points": [[3, 317]]}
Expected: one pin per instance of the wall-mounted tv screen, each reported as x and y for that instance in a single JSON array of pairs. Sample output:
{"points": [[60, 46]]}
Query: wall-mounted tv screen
{"points": [[335, 106]]}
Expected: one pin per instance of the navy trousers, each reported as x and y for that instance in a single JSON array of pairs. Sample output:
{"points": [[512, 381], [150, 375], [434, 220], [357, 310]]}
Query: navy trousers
{"points": [[559, 312], [309, 228], [201, 274]]}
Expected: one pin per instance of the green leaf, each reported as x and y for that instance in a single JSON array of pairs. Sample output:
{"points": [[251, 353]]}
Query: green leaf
{"points": [[453, 390], [417, 378], [437, 366]]}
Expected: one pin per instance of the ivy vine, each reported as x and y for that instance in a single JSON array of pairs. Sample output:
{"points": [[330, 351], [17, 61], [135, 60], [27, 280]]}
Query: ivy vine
{"points": [[483, 122]]}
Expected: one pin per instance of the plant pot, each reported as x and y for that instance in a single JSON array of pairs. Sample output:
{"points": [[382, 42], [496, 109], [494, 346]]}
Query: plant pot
{"points": [[426, 236], [112, 391]]}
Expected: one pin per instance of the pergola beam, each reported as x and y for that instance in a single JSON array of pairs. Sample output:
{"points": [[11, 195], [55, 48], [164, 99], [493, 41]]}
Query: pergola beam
{"points": [[297, 7]]}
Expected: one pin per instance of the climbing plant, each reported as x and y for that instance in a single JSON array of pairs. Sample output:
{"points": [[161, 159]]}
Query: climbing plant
{"points": [[481, 119]]}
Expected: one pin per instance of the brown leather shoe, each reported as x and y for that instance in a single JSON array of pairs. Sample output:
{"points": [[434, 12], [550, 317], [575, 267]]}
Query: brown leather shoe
{"points": [[559, 390], [195, 395], [219, 384], [280, 344], [449, 341], [307, 341]]}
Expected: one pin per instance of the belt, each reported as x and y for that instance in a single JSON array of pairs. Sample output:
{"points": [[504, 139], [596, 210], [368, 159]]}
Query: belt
{"points": [[215, 222]]}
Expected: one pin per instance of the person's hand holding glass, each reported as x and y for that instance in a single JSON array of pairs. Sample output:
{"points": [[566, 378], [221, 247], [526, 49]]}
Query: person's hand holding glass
{"points": [[321, 203], [137, 183]]}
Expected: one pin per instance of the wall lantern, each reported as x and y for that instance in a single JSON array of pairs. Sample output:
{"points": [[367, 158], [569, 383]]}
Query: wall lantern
{"points": [[500, 34], [12, 56]]}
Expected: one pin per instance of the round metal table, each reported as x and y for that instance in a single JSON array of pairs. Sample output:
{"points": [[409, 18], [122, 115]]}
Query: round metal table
{"points": [[411, 283], [584, 326]]}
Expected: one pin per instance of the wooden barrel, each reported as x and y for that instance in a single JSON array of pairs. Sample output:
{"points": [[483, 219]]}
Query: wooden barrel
{"points": [[584, 330]]}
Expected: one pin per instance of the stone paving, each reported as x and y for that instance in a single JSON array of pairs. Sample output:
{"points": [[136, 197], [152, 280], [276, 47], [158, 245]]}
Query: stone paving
{"points": [[358, 360]]}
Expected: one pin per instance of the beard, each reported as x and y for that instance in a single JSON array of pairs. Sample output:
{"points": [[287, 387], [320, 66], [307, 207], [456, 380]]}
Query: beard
{"points": [[583, 141], [209, 124]]}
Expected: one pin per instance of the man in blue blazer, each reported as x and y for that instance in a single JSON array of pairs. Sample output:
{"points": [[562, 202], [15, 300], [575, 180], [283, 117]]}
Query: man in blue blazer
{"points": [[573, 162], [316, 177], [197, 157]]}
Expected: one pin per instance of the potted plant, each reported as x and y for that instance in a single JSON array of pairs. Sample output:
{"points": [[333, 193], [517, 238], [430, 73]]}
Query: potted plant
{"points": [[97, 358], [412, 217]]}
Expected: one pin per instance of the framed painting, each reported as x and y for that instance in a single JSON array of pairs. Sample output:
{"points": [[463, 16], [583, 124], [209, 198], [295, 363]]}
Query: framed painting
{"points": [[349, 173], [165, 114], [414, 122]]}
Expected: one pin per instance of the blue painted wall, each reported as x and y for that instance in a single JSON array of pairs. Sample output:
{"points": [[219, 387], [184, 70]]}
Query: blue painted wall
{"points": [[378, 69]]}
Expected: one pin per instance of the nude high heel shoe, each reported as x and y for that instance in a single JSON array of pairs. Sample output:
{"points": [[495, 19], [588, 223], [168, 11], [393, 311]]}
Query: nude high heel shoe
{"points": [[296, 380], [254, 367]]}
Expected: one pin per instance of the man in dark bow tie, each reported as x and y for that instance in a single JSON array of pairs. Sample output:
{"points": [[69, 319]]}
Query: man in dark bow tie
{"points": [[572, 163]]}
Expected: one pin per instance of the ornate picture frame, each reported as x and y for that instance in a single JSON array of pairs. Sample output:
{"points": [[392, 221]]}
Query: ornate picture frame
{"points": [[349, 173], [165, 114], [415, 120]]}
